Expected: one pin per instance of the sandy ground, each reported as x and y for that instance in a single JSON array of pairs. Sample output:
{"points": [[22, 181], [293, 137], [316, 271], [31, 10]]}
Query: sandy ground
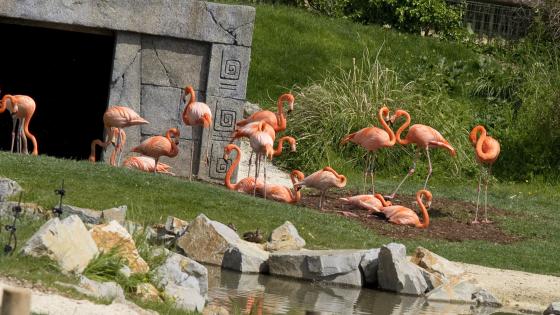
{"points": [[274, 175]]}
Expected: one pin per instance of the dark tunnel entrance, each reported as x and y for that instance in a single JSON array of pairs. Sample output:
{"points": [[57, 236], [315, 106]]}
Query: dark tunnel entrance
{"points": [[68, 75]]}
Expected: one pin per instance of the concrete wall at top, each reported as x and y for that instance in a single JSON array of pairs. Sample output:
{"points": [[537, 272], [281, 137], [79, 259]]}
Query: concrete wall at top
{"points": [[162, 46]]}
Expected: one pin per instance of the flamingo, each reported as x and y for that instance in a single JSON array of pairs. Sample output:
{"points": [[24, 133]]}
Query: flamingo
{"points": [[279, 148], [118, 145], [424, 137], [247, 131], [372, 139], [372, 203], [405, 216], [146, 164], [322, 180], [487, 150], [196, 114], [118, 117], [283, 193], [262, 144], [276, 120], [158, 146], [245, 185], [21, 107]]}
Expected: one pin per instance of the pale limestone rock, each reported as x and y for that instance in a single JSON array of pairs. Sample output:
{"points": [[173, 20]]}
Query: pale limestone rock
{"points": [[8, 188], [441, 268], [285, 237], [395, 273], [456, 290], [148, 292], [175, 225], [553, 309], [183, 271]]}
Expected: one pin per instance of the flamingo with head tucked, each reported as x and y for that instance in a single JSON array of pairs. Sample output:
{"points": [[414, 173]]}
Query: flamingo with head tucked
{"points": [[322, 180], [262, 144], [21, 107], [487, 150], [247, 184], [424, 137], [276, 120], [372, 139], [196, 114], [247, 131], [282, 193], [158, 146], [372, 203], [406, 216], [146, 164]]}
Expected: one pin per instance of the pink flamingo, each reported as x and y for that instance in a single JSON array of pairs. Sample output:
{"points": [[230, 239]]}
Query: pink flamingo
{"points": [[424, 137], [247, 184], [487, 150], [118, 117], [146, 164], [372, 203], [280, 145], [322, 180], [158, 146], [276, 120], [196, 114], [248, 130], [283, 193], [405, 216], [262, 144], [21, 107], [372, 139], [118, 144]]}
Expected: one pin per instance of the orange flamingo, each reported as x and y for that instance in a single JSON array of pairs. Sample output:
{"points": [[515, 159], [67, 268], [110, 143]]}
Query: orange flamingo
{"points": [[372, 139], [372, 203], [196, 114], [487, 150], [146, 164], [247, 184], [424, 137], [117, 134], [262, 144], [21, 107], [279, 148], [158, 146], [118, 117], [283, 193], [276, 120], [247, 131], [322, 180], [405, 216]]}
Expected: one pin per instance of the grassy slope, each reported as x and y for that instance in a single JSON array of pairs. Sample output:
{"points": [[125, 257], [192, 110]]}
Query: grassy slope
{"points": [[151, 198]]}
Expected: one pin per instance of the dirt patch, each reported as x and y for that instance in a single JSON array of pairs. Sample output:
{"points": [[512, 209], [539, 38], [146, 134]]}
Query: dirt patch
{"points": [[449, 219]]}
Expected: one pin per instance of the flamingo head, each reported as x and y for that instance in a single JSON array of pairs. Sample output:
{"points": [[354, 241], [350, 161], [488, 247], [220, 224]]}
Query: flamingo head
{"points": [[298, 174], [426, 194], [384, 111], [7, 102], [293, 143], [269, 151], [227, 149], [291, 101], [188, 90], [174, 132]]}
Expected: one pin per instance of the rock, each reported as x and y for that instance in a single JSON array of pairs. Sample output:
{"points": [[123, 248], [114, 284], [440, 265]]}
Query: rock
{"points": [[125, 271], [147, 292], [101, 290], [118, 214], [90, 216], [215, 243], [110, 235], [185, 298], [8, 188], [553, 309], [457, 290], [215, 310], [175, 225], [285, 237], [441, 268], [485, 298], [329, 266], [397, 274], [67, 242], [369, 266], [250, 108], [184, 272], [30, 209]]}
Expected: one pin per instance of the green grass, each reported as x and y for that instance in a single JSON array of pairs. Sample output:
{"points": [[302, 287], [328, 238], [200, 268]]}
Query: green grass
{"points": [[152, 198]]}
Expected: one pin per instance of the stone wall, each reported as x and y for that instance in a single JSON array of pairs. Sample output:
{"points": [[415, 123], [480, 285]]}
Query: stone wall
{"points": [[162, 46]]}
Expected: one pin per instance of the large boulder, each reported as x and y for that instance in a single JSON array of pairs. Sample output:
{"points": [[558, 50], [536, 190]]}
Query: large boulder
{"points": [[100, 290], [457, 290], [553, 309], [395, 273], [439, 268], [90, 216], [32, 210], [329, 266], [285, 237], [66, 241], [8, 188], [215, 243], [369, 266], [110, 235]]}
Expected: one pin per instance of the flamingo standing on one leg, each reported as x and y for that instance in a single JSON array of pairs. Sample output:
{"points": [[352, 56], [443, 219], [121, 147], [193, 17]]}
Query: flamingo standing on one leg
{"points": [[146, 164], [116, 117], [424, 137], [372, 139], [196, 114], [405, 216], [247, 184], [276, 120], [262, 144], [487, 150], [283, 193], [322, 180], [158, 146], [372, 203], [21, 107]]}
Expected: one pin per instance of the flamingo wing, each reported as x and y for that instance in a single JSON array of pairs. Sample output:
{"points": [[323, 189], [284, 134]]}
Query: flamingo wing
{"points": [[371, 138]]}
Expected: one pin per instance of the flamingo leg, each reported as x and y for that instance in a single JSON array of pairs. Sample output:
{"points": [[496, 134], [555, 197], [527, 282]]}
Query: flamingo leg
{"points": [[155, 165], [118, 146], [410, 172], [14, 122], [486, 196], [372, 173], [264, 166], [19, 138], [429, 167], [23, 137], [192, 158], [250, 162], [478, 197], [257, 166]]}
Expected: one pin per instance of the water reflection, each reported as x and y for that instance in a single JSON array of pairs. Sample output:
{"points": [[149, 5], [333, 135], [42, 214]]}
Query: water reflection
{"points": [[273, 295]]}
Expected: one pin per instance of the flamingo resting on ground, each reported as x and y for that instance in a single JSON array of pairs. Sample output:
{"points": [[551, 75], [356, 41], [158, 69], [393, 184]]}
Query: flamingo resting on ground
{"points": [[283, 193], [262, 144], [118, 117], [158, 146], [405, 216], [21, 107], [372, 203], [276, 120], [146, 164], [424, 137], [487, 150], [247, 184], [196, 114], [322, 180], [372, 139]]}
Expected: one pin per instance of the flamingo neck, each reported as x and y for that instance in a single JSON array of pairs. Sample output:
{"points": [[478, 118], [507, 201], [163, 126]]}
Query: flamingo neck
{"points": [[192, 100], [382, 200], [280, 114], [227, 180], [426, 221], [403, 127], [174, 149], [385, 111], [7, 100], [296, 176], [479, 147], [473, 136], [280, 145]]}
